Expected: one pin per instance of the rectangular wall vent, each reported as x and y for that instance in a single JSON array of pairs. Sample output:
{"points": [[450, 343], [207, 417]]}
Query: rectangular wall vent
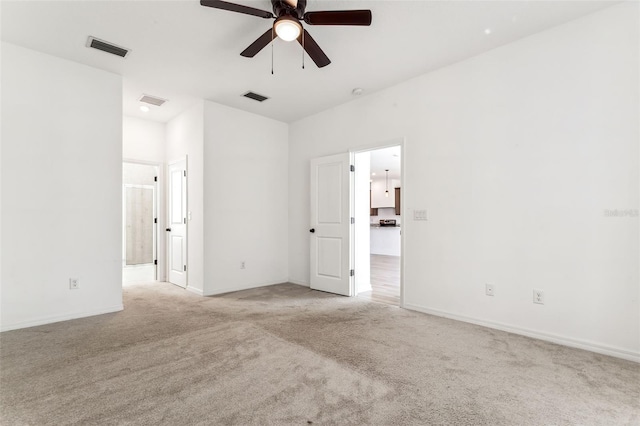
{"points": [[152, 100], [105, 46], [255, 96]]}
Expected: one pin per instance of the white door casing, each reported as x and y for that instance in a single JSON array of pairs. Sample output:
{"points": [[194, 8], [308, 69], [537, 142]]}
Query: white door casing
{"points": [[330, 254], [177, 223]]}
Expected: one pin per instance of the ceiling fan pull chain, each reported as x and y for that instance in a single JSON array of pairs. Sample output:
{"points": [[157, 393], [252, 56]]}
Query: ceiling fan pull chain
{"points": [[272, 41], [302, 49]]}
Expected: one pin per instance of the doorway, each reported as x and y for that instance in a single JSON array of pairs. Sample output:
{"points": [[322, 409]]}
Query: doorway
{"points": [[378, 219], [139, 220]]}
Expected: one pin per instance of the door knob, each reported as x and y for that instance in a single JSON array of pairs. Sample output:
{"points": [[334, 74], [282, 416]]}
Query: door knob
{"points": [[168, 229], [312, 230]]}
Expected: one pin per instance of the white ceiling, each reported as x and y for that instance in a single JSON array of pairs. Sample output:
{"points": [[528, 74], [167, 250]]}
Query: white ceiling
{"points": [[183, 52], [385, 159]]}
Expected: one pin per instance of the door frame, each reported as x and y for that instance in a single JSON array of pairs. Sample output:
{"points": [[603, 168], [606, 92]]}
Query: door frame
{"points": [[159, 213], [188, 219], [403, 229]]}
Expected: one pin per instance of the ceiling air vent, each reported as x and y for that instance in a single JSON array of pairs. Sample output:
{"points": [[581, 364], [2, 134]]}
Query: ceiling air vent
{"points": [[255, 96], [152, 100], [105, 46]]}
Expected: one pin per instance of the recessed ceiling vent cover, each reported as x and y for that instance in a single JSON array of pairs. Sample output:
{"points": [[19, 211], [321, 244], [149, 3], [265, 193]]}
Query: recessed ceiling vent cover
{"points": [[105, 46], [153, 100], [255, 96]]}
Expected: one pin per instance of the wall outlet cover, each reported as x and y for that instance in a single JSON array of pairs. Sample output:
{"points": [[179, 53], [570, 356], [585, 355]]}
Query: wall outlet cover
{"points": [[489, 290], [538, 296]]}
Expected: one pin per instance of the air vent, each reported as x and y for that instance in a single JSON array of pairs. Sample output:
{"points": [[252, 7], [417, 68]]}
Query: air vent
{"points": [[255, 97], [153, 100], [105, 46]]}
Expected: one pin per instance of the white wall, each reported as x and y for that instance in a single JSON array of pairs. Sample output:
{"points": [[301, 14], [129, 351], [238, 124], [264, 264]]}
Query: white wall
{"points": [[61, 189], [245, 199], [516, 153], [237, 196], [143, 140], [185, 138]]}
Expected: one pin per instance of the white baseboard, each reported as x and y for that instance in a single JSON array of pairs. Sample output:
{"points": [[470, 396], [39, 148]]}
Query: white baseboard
{"points": [[243, 287], [194, 290], [553, 338], [58, 318], [299, 283]]}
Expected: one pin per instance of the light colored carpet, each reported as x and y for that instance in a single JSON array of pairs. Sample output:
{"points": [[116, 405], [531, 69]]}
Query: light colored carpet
{"points": [[285, 355]]}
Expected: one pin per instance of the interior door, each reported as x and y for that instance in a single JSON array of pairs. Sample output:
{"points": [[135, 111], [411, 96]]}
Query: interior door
{"points": [[177, 230], [330, 262]]}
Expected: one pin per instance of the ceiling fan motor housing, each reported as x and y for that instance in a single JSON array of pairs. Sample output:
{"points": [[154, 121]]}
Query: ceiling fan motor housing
{"points": [[282, 8]]}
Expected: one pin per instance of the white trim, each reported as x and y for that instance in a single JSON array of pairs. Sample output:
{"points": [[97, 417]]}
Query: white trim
{"points": [[245, 287], [548, 337], [194, 290], [302, 283], [379, 145], [365, 288], [59, 318], [148, 163]]}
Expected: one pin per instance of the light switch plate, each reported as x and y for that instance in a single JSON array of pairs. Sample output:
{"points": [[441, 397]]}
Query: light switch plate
{"points": [[419, 215]]}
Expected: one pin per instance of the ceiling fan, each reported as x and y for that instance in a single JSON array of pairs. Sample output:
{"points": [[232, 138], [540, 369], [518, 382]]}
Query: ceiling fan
{"points": [[288, 15]]}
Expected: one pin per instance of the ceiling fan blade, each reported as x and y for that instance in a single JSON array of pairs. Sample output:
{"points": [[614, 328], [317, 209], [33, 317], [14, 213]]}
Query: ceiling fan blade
{"points": [[224, 5], [314, 51], [259, 44], [339, 17]]}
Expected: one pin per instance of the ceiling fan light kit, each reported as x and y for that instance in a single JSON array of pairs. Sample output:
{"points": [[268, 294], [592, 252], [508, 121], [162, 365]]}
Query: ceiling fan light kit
{"points": [[288, 15], [287, 28]]}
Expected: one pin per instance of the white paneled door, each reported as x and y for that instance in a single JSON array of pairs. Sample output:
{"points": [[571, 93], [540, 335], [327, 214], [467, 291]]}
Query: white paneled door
{"points": [[330, 261], [177, 230]]}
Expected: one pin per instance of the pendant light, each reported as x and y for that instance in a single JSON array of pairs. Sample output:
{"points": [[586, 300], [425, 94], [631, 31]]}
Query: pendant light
{"points": [[386, 192]]}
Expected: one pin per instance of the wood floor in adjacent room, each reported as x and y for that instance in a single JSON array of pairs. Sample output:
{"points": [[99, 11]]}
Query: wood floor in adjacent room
{"points": [[385, 280]]}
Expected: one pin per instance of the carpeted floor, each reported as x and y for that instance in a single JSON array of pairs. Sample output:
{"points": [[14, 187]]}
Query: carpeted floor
{"points": [[285, 355]]}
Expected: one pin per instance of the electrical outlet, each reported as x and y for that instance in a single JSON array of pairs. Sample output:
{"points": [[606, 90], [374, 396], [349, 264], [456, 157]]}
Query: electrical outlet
{"points": [[538, 296], [242, 265], [488, 288], [74, 283]]}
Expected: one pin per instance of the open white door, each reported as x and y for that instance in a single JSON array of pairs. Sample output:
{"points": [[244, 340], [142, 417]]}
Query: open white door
{"points": [[330, 262], [177, 230]]}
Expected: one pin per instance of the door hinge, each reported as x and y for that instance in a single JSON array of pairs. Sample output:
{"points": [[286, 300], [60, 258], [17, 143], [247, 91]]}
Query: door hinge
{"points": [[353, 220], [155, 178], [155, 220], [184, 220], [155, 262], [353, 168], [185, 173], [352, 272], [185, 268]]}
